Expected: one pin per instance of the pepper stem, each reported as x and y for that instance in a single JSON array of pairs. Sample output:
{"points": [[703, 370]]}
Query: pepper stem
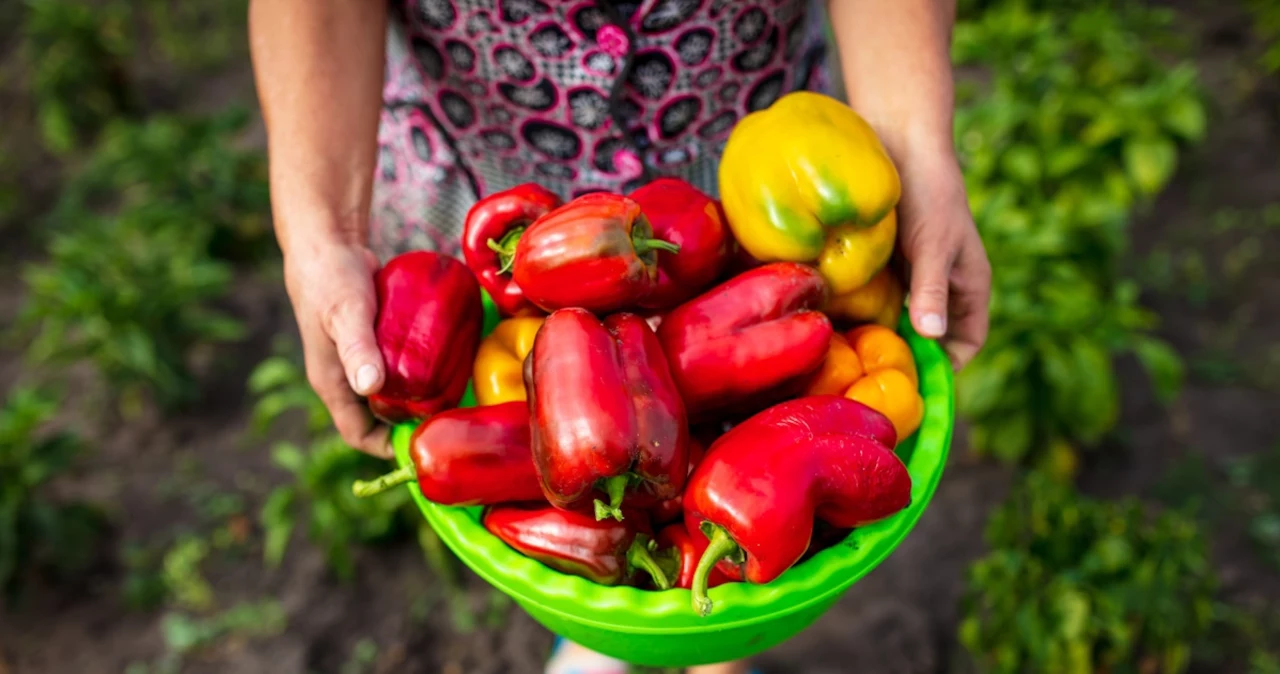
{"points": [[616, 488], [638, 557], [363, 488], [719, 546], [645, 245], [506, 248]]}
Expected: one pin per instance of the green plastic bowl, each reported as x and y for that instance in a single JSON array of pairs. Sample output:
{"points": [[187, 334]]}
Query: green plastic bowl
{"points": [[660, 629]]}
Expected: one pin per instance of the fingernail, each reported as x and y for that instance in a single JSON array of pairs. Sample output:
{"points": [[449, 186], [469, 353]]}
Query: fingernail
{"points": [[933, 325], [366, 377]]}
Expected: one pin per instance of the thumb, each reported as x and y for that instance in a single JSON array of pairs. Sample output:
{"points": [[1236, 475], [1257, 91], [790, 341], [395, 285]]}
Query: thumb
{"points": [[350, 325], [928, 299]]}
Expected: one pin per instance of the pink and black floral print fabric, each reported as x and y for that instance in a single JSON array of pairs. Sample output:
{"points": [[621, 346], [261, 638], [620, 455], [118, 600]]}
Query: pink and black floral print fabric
{"points": [[577, 95]]}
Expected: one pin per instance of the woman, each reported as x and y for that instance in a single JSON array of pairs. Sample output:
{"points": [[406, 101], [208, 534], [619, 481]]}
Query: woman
{"points": [[385, 121]]}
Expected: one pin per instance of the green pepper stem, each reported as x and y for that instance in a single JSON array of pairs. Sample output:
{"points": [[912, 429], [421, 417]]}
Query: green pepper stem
{"points": [[616, 488], [638, 557], [645, 245], [363, 488], [719, 546], [506, 248]]}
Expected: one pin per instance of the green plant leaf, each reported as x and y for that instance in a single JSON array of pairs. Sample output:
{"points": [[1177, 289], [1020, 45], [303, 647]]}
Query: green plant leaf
{"points": [[1185, 117], [1150, 163], [1163, 366]]}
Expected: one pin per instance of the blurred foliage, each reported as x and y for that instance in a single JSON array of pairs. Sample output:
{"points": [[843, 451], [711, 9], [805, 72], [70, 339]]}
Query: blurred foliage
{"points": [[220, 27], [33, 528], [1076, 585], [131, 295], [1076, 125], [76, 54], [1255, 482], [185, 635], [1266, 23]]}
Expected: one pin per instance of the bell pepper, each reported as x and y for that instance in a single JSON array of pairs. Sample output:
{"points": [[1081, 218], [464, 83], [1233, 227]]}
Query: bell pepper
{"points": [[606, 552], [807, 180], [879, 301], [489, 235], [749, 341], [679, 551], [670, 510], [758, 490], [499, 371], [605, 412], [683, 215], [874, 366], [427, 328], [597, 252], [470, 456]]}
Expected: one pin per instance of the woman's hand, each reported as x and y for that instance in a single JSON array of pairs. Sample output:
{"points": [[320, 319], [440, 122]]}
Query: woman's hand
{"points": [[949, 275], [331, 289]]}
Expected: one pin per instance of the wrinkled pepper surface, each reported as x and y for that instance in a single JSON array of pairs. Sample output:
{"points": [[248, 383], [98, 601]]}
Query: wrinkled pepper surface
{"points": [[607, 552], [672, 509], [597, 252], [605, 412], [807, 180], [873, 365], [761, 485], [489, 235], [683, 215], [498, 376], [679, 552], [427, 328], [879, 301], [749, 341], [471, 456]]}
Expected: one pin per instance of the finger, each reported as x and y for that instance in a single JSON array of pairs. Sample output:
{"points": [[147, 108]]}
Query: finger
{"points": [[349, 322], [930, 271], [355, 424], [971, 296]]}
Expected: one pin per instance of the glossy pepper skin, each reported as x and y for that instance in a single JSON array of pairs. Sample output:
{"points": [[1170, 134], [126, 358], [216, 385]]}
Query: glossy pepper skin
{"points": [[498, 376], [679, 552], [807, 180], [466, 457], [597, 252], [427, 328], [683, 215], [605, 412], [756, 493], [489, 235], [879, 301], [873, 365], [607, 552], [672, 509], [749, 340]]}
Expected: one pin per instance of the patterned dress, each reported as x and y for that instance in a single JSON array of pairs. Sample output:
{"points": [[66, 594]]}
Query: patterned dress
{"points": [[577, 95]]}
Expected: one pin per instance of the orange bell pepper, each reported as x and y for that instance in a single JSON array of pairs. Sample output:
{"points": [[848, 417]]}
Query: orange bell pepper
{"points": [[879, 301], [499, 366], [874, 366]]}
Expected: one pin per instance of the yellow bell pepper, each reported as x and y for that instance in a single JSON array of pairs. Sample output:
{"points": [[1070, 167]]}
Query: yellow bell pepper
{"points": [[807, 180], [499, 367], [873, 365], [879, 301]]}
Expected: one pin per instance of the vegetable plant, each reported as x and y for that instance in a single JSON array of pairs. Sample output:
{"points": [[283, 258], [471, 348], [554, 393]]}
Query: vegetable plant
{"points": [[34, 529], [1077, 585], [1078, 126]]}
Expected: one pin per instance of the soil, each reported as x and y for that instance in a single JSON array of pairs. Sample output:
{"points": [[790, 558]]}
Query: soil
{"points": [[901, 619]]}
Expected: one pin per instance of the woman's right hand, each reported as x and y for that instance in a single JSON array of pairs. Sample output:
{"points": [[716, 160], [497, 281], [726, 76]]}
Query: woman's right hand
{"points": [[331, 288]]}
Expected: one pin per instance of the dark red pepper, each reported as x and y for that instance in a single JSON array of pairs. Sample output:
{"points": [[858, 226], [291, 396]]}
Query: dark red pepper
{"points": [[749, 341], [605, 413], [607, 552], [672, 509], [597, 252], [471, 456], [685, 216], [679, 551], [428, 328], [760, 487], [489, 237]]}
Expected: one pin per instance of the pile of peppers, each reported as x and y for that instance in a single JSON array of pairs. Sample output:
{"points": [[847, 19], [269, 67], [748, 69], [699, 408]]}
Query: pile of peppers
{"points": [[682, 392]]}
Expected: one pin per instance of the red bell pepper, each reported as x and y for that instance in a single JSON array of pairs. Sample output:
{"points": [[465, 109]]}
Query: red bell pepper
{"points": [[427, 328], [605, 413], [489, 237], [682, 214], [471, 456], [607, 552], [749, 341], [756, 493], [596, 252], [679, 551], [670, 510]]}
